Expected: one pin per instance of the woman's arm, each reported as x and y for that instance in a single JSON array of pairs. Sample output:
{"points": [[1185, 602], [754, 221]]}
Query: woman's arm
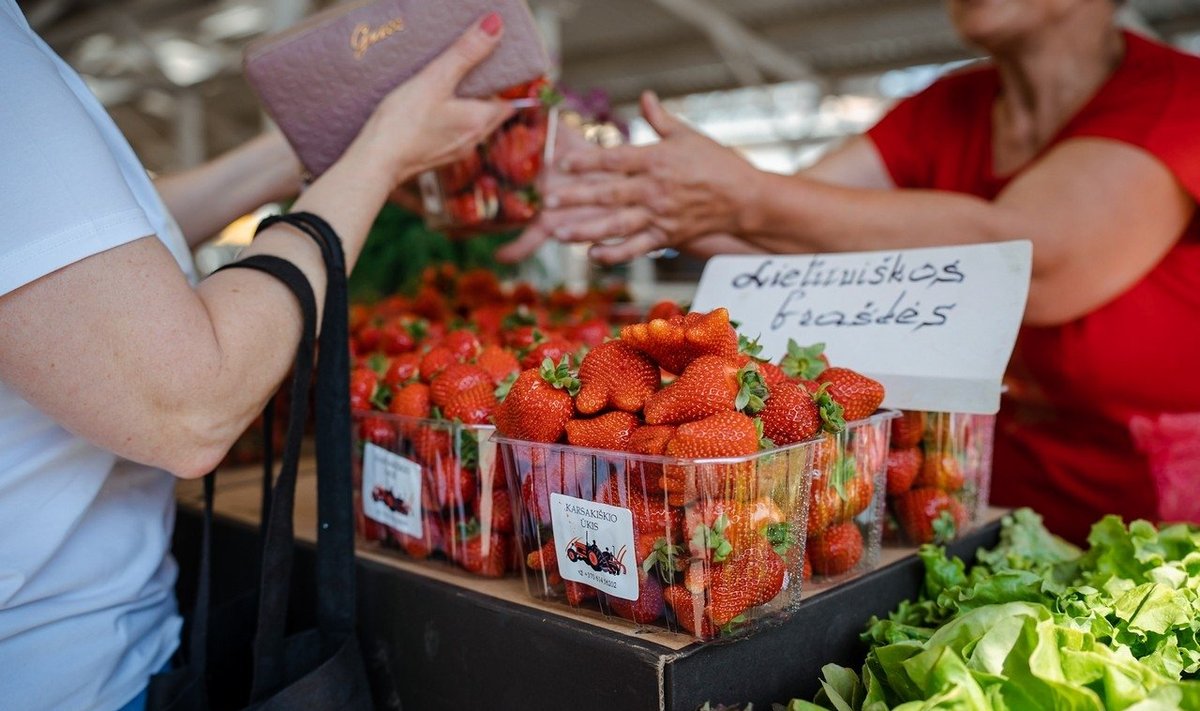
{"points": [[206, 198], [120, 350]]}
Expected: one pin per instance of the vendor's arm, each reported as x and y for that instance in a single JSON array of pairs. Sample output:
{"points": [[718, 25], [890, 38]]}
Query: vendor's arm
{"points": [[1100, 215], [119, 349], [206, 198]]}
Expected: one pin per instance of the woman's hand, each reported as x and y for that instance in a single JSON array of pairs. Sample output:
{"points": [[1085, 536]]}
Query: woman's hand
{"points": [[684, 187], [422, 123]]}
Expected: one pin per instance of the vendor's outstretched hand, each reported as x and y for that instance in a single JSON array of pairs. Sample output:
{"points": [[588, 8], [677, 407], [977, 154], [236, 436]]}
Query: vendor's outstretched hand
{"points": [[664, 195]]}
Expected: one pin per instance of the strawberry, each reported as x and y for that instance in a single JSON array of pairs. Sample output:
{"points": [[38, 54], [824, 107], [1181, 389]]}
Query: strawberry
{"points": [[554, 349], [664, 310], [807, 573], [532, 89], [751, 577], [395, 339], [614, 374], [435, 361], [364, 384], [484, 554], [515, 152], [544, 558], [465, 209], [549, 473], [674, 343], [903, 465], [590, 333], [463, 344], [457, 378], [366, 339], [518, 205], [804, 362], [869, 447], [539, 405], [427, 544], [858, 395], [837, 550], [710, 384], [725, 434], [792, 414], [411, 400], [649, 605], [941, 471], [472, 407], [459, 175], [689, 611], [772, 374], [928, 515], [578, 593], [500, 510], [908, 429], [430, 444], [608, 431], [377, 431], [402, 369], [656, 525], [498, 363], [447, 486], [651, 439]]}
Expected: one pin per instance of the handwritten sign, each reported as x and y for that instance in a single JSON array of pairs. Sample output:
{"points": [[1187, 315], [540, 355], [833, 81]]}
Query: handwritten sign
{"points": [[936, 326]]}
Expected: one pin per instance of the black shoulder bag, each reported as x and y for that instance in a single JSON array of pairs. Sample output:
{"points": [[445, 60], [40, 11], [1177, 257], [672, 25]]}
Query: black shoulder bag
{"points": [[318, 668]]}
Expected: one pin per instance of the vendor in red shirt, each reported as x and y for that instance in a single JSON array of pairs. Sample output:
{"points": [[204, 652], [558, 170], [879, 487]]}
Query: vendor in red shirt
{"points": [[1076, 135]]}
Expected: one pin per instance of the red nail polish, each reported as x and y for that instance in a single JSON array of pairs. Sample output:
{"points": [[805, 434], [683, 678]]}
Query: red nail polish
{"points": [[492, 23]]}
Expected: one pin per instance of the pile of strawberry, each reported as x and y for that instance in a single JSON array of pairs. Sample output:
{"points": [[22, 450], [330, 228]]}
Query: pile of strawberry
{"points": [[495, 187], [925, 476], [430, 370], [711, 540], [840, 517]]}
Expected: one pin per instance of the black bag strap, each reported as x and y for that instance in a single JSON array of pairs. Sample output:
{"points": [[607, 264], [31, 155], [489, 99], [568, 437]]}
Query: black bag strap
{"points": [[335, 538], [335, 530]]}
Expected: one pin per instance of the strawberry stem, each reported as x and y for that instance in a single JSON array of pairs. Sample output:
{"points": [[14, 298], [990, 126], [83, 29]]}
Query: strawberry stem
{"points": [[752, 390], [803, 361]]}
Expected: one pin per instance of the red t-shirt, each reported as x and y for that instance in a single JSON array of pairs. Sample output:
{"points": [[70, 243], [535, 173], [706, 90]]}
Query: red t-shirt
{"points": [[1103, 413]]}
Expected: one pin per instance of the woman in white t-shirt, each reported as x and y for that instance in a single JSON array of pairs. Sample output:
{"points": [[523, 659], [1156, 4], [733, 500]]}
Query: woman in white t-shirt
{"points": [[117, 371]]}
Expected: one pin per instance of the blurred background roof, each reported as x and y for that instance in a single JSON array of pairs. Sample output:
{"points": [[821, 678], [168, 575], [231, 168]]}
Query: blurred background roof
{"points": [[169, 70]]}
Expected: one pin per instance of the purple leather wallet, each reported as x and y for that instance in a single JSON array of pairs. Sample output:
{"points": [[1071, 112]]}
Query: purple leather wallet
{"points": [[321, 79]]}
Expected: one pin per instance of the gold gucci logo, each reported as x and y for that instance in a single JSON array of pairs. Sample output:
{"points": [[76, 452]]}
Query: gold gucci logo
{"points": [[364, 36]]}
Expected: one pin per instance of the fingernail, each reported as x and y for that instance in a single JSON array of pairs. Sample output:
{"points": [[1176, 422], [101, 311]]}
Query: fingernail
{"points": [[492, 24], [552, 201]]}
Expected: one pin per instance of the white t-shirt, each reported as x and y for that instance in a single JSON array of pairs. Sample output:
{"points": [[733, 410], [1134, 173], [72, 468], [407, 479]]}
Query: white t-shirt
{"points": [[87, 607]]}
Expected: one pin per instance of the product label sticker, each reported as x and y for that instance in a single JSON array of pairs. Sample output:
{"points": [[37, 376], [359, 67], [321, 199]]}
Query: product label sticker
{"points": [[595, 545], [936, 326], [391, 490]]}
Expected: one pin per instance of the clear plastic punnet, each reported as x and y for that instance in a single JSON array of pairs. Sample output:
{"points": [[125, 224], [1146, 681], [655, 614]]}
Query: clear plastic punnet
{"points": [[433, 490], [496, 188], [939, 474], [846, 499], [704, 547]]}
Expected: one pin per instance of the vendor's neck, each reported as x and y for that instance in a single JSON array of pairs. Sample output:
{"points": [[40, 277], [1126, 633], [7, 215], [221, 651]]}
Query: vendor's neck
{"points": [[1047, 79]]}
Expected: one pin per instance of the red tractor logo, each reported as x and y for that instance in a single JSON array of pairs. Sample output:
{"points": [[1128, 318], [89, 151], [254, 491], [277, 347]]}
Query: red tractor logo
{"points": [[393, 502], [599, 560]]}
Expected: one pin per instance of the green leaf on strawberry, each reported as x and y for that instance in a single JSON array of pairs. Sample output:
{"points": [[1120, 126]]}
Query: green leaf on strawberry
{"points": [[752, 391], [780, 536], [666, 558], [712, 538], [381, 398], [830, 411], [944, 528], [504, 386], [805, 362], [560, 376]]}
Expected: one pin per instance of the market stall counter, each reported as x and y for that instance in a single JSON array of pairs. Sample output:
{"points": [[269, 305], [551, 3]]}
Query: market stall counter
{"points": [[443, 639]]}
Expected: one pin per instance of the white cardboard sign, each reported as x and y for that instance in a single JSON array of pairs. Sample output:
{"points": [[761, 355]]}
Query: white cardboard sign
{"points": [[595, 545], [391, 490], [936, 326]]}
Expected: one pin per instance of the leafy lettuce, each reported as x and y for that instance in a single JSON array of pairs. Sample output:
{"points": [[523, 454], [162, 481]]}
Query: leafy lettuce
{"points": [[1039, 624]]}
